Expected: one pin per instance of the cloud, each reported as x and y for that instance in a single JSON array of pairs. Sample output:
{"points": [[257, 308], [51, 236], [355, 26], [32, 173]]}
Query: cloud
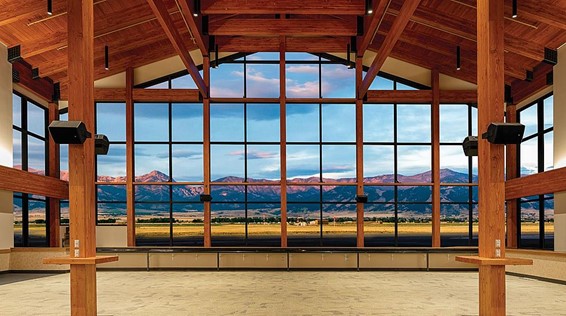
{"points": [[308, 89], [187, 154], [253, 154], [303, 69]]}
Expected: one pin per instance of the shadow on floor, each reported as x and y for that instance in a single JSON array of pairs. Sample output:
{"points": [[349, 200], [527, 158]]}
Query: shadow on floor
{"points": [[9, 278]]}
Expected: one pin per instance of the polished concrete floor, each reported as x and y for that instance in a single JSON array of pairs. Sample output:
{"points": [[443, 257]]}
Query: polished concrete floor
{"points": [[277, 293]]}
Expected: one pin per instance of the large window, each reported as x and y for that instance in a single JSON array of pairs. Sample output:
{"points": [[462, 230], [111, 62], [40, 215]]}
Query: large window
{"points": [[536, 213], [30, 154]]}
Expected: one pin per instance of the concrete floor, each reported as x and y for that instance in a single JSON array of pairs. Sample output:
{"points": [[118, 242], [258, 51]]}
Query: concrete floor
{"points": [[277, 293]]}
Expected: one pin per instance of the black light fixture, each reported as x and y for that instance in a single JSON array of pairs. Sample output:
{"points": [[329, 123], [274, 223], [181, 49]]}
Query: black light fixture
{"points": [[514, 9], [49, 7], [458, 58], [35, 73], [196, 10], [348, 58], [106, 57], [504, 133], [68, 132], [470, 145], [369, 8]]}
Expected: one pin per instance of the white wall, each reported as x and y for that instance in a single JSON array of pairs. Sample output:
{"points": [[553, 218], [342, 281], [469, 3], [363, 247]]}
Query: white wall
{"points": [[6, 148], [560, 147]]}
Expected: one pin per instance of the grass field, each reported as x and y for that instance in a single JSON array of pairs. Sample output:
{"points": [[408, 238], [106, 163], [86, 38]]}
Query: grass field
{"points": [[370, 228]]}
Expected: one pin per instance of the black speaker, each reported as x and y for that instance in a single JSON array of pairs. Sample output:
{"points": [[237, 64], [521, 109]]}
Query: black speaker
{"points": [[361, 198], [470, 145], [504, 133], [101, 144], [68, 132], [205, 197]]}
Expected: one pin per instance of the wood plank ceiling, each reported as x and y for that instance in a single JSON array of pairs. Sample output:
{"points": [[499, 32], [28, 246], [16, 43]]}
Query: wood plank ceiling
{"points": [[135, 37]]}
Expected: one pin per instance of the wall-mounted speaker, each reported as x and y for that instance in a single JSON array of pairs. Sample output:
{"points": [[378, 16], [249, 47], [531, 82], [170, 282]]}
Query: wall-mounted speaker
{"points": [[361, 198], [101, 144], [504, 133], [470, 145], [68, 132], [205, 197]]}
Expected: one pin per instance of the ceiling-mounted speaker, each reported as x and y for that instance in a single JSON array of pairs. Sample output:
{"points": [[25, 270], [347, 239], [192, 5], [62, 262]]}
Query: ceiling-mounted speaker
{"points": [[68, 132], [15, 76], [101, 144], [504, 133], [550, 78], [14, 53], [35, 73], [470, 145], [550, 56], [530, 75]]}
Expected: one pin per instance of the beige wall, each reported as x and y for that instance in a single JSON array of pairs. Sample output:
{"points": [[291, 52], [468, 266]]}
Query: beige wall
{"points": [[111, 236], [6, 148], [560, 147], [546, 264]]}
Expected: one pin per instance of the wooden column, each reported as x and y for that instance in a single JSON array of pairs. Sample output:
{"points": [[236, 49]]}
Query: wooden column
{"points": [[54, 206], [130, 190], [82, 202], [206, 151], [435, 137], [511, 173], [283, 139], [359, 155]]}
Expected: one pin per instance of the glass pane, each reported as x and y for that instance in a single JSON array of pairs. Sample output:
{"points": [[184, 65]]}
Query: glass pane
{"points": [[112, 167], [187, 193], [262, 122], [303, 123], [474, 121], [36, 155], [264, 193], [549, 151], [36, 118], [227, 163], [453, 164], [186, 121], [152, 193], [262, 81], [263, 162], [415, 225], [453, 122], [153, 224], [188, 224], [304, 225], [530, 226], [111, 193], [227, 81], [265, 56], [338, 81], [342, 194], [379, 224], [454, 224], [18, 231], [300, 56], [111, 120], [413, 123], [548, 112], [528, 117], [228, 193], [402, 86], [303, 161], [338, 123], [111, 214], [413, 194], [151, 122], [264, 225], [64, 162], [228, 227], [184, 82], [187, 163], [17, 155], [64, 212], [302, 81], [414, 163], [160, 85], [338, 161], [303, 193], [37, 224], [378, 163], [549, 223], [529, 157], [454, 194], [17, 110], [339, 225], [151, 163], [227, 122], [378, 194], [380, 83], [378, 122]]}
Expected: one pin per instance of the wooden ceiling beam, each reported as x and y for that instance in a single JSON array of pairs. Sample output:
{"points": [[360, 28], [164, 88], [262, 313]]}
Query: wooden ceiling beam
{"points": [[466, 31], [334, 7], [245, 44], [195, 26], [388, 43], [373, 22], [170, 29], [289, 27], [522, 89]]}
